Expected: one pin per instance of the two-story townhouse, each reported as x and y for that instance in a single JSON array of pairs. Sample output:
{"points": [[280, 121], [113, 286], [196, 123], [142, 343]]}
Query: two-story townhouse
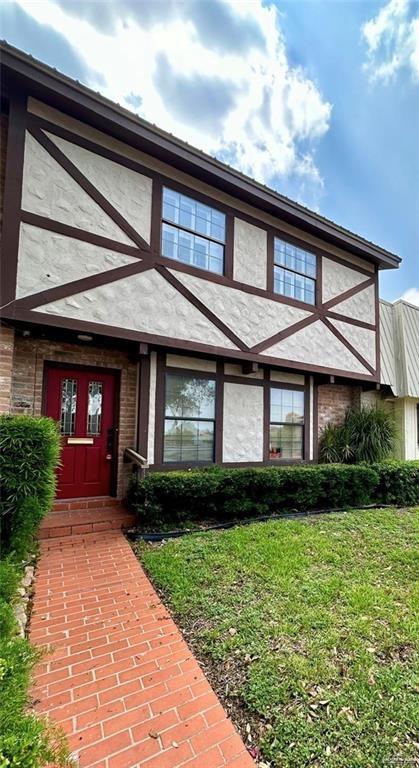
{"points": [[154, 298]]}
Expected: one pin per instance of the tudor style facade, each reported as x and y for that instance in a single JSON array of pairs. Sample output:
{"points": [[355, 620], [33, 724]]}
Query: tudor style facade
{"points": [[158, 300]]}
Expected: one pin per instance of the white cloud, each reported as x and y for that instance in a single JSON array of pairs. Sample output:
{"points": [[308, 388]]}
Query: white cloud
{"points": [[392, 39], [243, 103], [411, 295]]}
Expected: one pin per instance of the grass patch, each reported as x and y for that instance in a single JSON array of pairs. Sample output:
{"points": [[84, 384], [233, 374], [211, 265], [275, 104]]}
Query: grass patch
{"points": [[308, 630]]}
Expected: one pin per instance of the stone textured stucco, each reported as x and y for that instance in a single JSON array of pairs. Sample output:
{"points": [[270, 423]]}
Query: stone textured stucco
{"points": [[361, 306], [250, 254], [361, 338], [316, 345], [338, 278], [287, 378], [47, 259], [252, 318], [243, 423], [191, 363], [128, 191], [49, 191], [144, 302]]}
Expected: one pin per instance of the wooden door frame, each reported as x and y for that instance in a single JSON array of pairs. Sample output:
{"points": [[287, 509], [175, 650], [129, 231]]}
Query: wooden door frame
{"points": [[116, 372]]}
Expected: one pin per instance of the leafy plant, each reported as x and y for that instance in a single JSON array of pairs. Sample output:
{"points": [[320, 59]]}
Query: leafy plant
{"points": [[367, 434]]}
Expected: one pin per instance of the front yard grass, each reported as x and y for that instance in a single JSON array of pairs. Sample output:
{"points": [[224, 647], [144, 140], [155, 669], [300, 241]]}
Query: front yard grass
{"points": [[308, 632]]}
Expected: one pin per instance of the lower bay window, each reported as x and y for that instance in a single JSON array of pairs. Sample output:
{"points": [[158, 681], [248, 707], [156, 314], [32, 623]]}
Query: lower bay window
{"points": [[286, 424], [189, 419]]}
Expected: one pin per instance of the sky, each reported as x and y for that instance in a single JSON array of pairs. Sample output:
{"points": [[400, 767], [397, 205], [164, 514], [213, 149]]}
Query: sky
{"points": [[318, 99]]}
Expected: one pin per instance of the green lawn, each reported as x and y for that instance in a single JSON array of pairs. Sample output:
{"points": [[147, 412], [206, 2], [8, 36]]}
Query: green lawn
{"points": [[308, 630]]}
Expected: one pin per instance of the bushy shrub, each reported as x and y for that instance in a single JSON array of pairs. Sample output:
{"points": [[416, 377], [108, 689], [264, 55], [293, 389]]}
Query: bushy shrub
{"points": [[29, 454], [223, 494], [398, 483], [26, 741], [367, 434]]}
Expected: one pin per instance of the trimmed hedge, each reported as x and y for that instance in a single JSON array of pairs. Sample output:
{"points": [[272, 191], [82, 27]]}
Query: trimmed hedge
{"points": [[29, 454], [215, 493], [172, 497]]}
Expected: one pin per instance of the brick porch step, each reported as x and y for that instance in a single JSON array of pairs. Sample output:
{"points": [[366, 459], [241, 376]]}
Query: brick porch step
{"points": [[79, 516]]}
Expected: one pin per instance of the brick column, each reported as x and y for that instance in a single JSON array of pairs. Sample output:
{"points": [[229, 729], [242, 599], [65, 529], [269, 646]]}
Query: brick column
{"points": [[7, 343], [333, 401]]}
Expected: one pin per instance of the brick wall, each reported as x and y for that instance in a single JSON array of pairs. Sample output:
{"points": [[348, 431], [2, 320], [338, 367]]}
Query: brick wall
{"points": [[333, 400], [6, 364], [27, 382]]}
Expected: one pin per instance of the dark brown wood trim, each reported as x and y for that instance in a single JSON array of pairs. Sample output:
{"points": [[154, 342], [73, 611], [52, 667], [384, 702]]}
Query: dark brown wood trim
{"points": [[270, 263], [89, 188], [319, 280], [156, 215], [348, 345], [143, 405], [377, 329], [285, 333], [12, 195], [349, 293], [183, 346], [243, 380], [266, 413], [307, 417], [51, 225], [219, 413], [160, 407], [286, 385], [229, 248], [81, 285], [201, 307], [351, 321], [315, 420]]}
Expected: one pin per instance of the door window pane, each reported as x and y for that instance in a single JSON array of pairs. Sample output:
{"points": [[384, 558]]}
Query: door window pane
{"points": [[68, 406], [94, 408]]}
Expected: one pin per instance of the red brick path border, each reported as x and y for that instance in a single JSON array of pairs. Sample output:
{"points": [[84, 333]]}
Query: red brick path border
{"points": [[121, 680]]}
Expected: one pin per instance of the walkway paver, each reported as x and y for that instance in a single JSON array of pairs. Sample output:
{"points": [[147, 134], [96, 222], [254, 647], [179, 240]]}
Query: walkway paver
{"points": [[120, 679]]}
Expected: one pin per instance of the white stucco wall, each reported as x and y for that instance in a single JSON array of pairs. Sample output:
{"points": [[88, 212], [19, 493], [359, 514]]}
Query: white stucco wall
{"points": [[152, 408], [129, 192], [47, 259], [287, 378], [243, 423], [316, 345], [235, 369], [191, 363], [361, 338], [49, 191], [252, 318], [250, 254], [361, 306], [144, 302], [338, 278]]}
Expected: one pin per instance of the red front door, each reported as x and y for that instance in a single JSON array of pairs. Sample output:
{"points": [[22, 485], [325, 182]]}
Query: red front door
{"points": [[83, 403]]}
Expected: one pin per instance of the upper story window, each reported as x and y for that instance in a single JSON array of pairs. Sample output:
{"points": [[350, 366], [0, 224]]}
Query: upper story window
{"points": [[189, 419], [192, 232], [294, 272]]}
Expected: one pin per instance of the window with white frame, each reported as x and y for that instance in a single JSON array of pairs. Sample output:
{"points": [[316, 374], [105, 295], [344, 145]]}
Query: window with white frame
{"points": [[189, 419], [192, 232], [286, 424], [294, 272]]}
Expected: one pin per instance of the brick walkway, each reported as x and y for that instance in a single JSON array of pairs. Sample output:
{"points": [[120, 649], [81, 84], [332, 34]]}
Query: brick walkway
{"points": [[121, 680]]}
